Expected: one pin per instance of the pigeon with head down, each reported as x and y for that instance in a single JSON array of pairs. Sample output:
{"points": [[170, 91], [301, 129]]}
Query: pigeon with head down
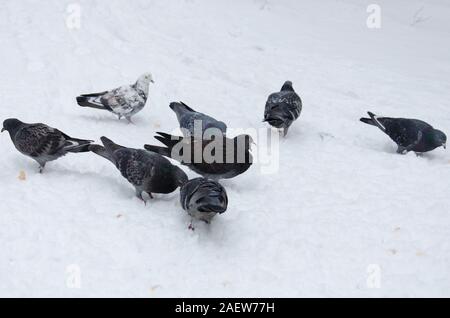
{"points": [[203, 199], [41, 142], [409, 134], [147, 171], [217, 158]]}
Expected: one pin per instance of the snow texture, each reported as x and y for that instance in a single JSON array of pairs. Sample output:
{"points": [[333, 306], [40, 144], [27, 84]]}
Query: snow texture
{"points": [[343, 214]]}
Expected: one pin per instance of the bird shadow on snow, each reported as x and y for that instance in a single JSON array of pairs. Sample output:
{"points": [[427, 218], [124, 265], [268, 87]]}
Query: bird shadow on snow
{"points": [[113, 119], [433, 157], [213, 233], [388, 148]]}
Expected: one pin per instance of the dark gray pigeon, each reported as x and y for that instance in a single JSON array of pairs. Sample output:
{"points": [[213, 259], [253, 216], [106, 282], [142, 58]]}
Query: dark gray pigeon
{"points": [[219, 158], [41, 142], [283, 108], [409, 134], [203, 199], [187, 117], [147, 171], [124, 101]]}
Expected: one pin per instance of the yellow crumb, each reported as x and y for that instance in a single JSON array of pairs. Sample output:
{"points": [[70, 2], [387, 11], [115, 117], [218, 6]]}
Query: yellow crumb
{"points": [[22, 175], [420, 253]]}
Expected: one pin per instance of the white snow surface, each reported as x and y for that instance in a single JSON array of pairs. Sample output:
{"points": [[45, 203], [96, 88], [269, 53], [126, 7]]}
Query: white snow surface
{"points": [[341, 200]]}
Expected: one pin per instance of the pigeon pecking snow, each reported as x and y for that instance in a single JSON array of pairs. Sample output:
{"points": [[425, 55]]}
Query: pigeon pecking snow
{"points": [[283, 108], [147, 171], [409, 134], [190, 119], [220, 158], [125, 101], [41, 142]]}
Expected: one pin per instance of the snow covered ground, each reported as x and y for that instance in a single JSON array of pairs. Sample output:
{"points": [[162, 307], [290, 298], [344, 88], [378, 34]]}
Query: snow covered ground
{"points": [[342, 216]]}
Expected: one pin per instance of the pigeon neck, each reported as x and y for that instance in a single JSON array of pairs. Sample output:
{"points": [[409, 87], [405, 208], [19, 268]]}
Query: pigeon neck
{"points": [[13, 130], [142, 86]]}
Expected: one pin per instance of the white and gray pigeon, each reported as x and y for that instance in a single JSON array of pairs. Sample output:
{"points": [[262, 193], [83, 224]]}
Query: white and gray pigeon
{"points": [[190, 120], [41, 142], [125, 101], [147, 171], [409, 134], [283, 108], [203, 199]]}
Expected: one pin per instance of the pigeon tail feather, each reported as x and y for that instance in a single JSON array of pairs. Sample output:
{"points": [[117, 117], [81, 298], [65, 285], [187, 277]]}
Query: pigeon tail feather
{"points": [[78, 145], [376, 121], [94, 94], [85, 101], [168, 140], [367, 121], [160, 150]]}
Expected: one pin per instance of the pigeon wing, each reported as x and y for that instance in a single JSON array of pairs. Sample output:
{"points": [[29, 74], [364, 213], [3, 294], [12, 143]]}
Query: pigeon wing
{"points": [[287, 100], [123, 100], [40, 140], [134, 165], [404, 132]]}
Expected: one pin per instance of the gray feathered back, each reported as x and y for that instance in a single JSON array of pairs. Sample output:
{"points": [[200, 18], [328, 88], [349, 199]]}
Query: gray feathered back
{"points": [[283, 108], [189, 120]]}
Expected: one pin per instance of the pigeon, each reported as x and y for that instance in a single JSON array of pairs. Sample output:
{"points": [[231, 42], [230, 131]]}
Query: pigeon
{"points": [[147, 171], [409, 134], [125, 101], [283, 108], [203, 199], [190, 119], [41, 142], [219, 158]]}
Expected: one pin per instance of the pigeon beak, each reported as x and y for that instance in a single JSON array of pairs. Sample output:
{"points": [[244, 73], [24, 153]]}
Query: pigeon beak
{"points": [[3, 129], [152, 81], [445, 146]]}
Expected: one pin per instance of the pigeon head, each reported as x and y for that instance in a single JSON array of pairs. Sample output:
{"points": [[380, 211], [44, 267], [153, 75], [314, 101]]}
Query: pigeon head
{"points": [[143, 83], [287, 86], [203, 198], [439, 138], [146, 78], [11, 125], [173, 106], [210, 197]]}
